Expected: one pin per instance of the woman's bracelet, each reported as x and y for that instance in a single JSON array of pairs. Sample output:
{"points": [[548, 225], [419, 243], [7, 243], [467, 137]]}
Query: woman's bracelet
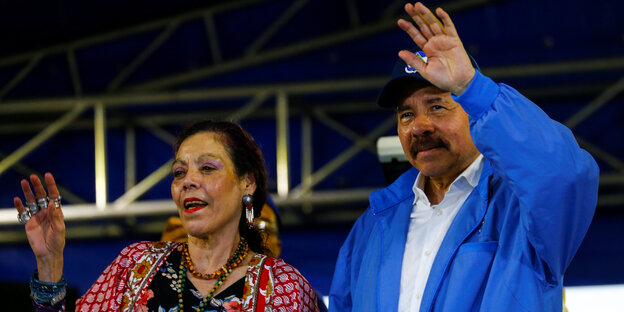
{"points": [[45, 292]]}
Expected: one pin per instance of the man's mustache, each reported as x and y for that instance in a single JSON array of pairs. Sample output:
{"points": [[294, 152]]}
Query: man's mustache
{"points": [[422, 143]]}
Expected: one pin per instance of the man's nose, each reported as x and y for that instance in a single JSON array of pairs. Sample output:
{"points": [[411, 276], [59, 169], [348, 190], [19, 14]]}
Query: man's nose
{"points": [[421, 124]]}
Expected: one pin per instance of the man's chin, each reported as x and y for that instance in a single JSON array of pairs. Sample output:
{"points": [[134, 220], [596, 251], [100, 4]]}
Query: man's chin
{"points": [[428, 155], [431, 164]]}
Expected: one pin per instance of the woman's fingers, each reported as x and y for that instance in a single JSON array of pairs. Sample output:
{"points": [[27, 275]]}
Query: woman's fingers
{"points": [[35, 201], [18, 205], [28, 194], [23, 213], [54, 195], [51, 185], [39, 190]]}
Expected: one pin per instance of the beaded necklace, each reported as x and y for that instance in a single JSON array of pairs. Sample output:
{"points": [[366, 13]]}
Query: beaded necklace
{"points": [[220, 275]]}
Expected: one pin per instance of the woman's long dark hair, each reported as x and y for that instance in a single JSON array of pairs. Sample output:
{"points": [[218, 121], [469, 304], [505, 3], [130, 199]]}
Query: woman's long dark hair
{"points": [[247, 159]]}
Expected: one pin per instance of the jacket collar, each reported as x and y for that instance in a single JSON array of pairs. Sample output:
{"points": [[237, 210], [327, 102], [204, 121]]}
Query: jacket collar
{"points": [[399, 190], [391, 208], [466, 221], [394, 194]]}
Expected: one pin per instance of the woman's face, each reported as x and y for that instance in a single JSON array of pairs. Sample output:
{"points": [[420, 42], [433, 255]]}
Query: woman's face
{"points": [[205, 187]]}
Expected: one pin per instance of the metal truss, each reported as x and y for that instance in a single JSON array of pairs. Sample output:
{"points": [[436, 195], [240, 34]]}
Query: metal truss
{"points": [[281, 95]]}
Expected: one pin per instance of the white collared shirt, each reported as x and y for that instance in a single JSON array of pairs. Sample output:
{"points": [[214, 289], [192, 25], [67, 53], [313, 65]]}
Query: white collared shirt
{"points": [[427, 228]]}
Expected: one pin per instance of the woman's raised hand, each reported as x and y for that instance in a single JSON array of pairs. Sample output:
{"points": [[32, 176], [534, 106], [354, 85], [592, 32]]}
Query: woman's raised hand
{"points": [[44, 224]]}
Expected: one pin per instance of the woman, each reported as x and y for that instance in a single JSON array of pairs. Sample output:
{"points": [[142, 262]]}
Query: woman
{"points": [[219, 186]]}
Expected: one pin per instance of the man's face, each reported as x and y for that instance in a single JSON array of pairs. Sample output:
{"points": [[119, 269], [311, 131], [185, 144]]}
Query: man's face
{"points": [[435, 134]]}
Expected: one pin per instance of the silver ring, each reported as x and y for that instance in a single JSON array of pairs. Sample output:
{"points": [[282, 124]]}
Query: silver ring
{"points": [[32, 208], [42, 203], [23, 217], [56, 201]]}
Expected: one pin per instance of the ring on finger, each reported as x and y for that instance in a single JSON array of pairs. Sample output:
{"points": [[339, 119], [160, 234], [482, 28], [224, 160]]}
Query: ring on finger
{"points": [[56, 201], [32, 208], [42, 203], [23, 217]]}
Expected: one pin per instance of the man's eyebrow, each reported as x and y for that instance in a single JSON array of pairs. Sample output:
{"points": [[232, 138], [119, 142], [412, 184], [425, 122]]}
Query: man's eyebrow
{"points": [[433, 98], [402, 108]]}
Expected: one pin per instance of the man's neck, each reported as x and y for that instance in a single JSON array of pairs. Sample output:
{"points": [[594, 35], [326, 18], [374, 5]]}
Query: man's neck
{"points": [[435, 189]]}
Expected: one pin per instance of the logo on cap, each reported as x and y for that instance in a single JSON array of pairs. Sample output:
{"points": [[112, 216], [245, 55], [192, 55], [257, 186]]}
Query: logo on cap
{"points": [[422, 56]]}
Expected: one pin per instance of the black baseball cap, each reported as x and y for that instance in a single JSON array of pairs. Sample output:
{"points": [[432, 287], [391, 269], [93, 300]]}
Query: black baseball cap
{"points": [[405, 76]]}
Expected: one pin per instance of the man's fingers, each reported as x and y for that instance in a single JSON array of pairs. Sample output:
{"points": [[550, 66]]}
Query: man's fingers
{"points": [[51, 185], [430, 20], [436, 29], [413, 60], [39, 190], [414, 33], [448, 23], [418, 19]]}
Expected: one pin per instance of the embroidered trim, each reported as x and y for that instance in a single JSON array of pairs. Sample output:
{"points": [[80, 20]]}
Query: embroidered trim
{"points": [[155, 267], [255, 292]]}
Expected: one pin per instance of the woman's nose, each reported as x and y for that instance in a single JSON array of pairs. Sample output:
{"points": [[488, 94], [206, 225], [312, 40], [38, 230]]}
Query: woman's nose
{"points": [[191, 180]]}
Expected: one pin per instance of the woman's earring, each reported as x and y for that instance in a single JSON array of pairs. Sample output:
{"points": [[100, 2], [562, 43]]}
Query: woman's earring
{"points": [[249, 213]]}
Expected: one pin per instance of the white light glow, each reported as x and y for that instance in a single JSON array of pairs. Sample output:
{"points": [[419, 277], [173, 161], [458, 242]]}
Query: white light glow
{"points": [[603, 298]]}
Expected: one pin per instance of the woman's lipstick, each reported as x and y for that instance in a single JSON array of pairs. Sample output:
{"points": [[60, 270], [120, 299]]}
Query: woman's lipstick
{"points": [[194, 201]]}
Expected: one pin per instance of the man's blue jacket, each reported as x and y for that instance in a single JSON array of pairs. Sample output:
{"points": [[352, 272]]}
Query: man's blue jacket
{"points": [[511, 241]]}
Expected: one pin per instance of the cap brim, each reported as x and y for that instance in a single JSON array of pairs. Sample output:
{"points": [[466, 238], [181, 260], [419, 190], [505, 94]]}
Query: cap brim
{"points": [[394, 91]]}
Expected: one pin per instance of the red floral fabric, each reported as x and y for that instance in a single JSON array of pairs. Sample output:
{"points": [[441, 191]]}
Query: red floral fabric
{"points": [[291, 291], [285, 289], [124, 283]]}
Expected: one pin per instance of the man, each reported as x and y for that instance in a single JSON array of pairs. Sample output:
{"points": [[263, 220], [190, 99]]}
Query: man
{"points": [[498, 201]]}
